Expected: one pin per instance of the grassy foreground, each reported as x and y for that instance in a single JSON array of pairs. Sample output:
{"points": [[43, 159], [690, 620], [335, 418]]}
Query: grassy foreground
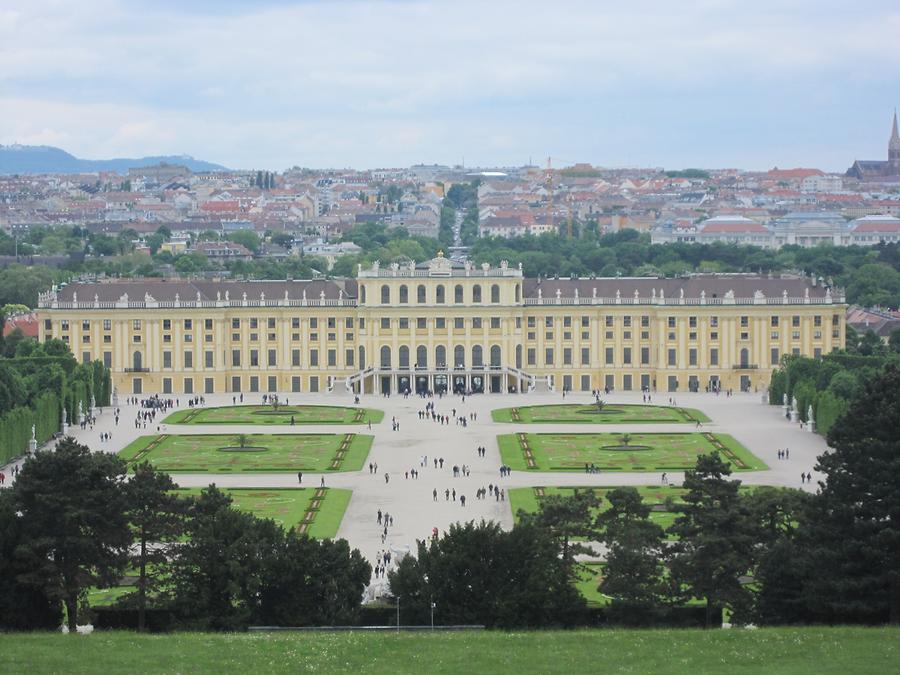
{"points": [[774, 650]]}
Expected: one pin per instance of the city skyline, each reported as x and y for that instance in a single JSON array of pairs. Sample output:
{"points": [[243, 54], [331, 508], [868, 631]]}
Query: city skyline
{"points": [[370, 84]]}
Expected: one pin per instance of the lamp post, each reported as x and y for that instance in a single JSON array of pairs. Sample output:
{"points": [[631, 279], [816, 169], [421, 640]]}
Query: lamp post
{"points": [[430, 600], [398, 613]]}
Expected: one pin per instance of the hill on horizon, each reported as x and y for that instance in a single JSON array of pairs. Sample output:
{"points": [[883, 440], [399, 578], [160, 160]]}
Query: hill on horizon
{"points": [[32, 159]]}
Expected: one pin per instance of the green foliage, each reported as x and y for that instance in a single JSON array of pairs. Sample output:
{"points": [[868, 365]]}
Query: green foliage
{"points": [[567, 519], [715, 544], [688, 173], [479, 574], [246, 238], [77, 533]]}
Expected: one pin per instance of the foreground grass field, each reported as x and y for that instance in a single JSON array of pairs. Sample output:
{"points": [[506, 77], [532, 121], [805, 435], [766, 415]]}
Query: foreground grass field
{"points": [[612, 413], [219, 453], [266, 414], [610, 452], [775, 650]]}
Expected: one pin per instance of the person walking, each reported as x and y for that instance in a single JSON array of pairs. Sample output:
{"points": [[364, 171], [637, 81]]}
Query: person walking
{"points": [[434, 494], [300, 477]]}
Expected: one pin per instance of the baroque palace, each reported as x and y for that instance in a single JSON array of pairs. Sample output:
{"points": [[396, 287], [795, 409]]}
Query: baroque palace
{"points": [[444, 326]]}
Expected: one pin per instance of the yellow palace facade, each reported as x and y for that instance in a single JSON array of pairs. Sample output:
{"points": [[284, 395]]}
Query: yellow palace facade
{"points": [[444, 326]]}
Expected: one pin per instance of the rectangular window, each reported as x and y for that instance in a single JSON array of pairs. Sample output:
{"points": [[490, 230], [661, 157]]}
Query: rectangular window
{"points": [[671, 322], [167, 385], [817, 320], [208, 358], [272, 383], [348, 322], [348, 358], [188, 385], [532, 356], [188, 324], [673, 357], [817, 353], [585, 383], [254, 323], [626, 321], [585, 356], [332, 357], [774, 334], [167, 359], [795, 321], [459, 323], [608, 321], [295, 322], [567, 356], [254, 358], [609, 357], [745, 321], [713, 322], [189, 359], [107, 359], [548, 322], [531, 323], [85, 357], [714, 356], [136, 324], [314, 323], [692, 357], [585, 322], [272, 357], [107, 339], [270, 322], [254, 383], [208, 324], [421, 323], [626, 382], [645, 356], [235, 323], [314, 384], [440, 323], [295, 358], [236, 358], [495, 322], [167, 324], [692, 322], [567, 322], [107, 324], [775, 356], [86, 339], [385, 323], [548, 356], [626, 356], [774, 322], [209, 385], [476, 323], [295, 383], [314, 358]]}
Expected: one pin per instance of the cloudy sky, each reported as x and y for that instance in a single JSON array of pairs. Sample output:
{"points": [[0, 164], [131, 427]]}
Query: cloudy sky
{"points": [[366, 83]]}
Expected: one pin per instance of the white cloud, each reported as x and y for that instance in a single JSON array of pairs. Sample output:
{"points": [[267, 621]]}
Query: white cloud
{"points": [[370, 82]]}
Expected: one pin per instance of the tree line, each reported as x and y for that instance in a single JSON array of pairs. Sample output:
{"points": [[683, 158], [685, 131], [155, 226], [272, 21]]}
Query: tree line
{"points": [[72, 521], [768, 555]]}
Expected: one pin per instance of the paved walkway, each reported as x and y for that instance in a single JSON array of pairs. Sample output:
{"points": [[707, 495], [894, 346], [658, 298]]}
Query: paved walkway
{"points": [[759, 427]]}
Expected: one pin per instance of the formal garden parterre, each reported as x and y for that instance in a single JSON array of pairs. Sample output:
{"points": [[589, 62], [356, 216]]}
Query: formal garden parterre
{"points": [[227, 453], [635, 452], [603, 413], [276, 414]]}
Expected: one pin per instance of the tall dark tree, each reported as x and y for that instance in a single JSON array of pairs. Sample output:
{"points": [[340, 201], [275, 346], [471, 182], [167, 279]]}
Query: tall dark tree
{"points": [[22, 606], [715, 543], [570, 521], [858, 518], [74, 504], [157, 517], [634, 570]]}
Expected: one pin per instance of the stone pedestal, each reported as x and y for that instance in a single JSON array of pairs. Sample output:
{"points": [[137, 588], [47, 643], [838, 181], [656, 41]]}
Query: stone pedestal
{"points": [[795, 416], [32, 446], [65, 429], [811, 426]]}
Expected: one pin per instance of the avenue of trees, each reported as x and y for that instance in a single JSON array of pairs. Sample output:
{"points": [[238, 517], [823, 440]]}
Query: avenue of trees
{"points": [[870, 275], [72, 521], [767, 555], [37, 380]]}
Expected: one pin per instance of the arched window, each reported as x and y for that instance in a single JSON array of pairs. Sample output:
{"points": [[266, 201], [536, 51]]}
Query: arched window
{"points": [[519, 357], [385, 357], [385, 295], [518, 292], [440, 291], [458, 294], [476, 293], [362, 293], [440, 356], [404, 294], [495, 293], [420, 294], [362, 357], [477, 357], [745, 357], [495, 356], [138, 360], [421, 356], [404, 356], [459, 356]]}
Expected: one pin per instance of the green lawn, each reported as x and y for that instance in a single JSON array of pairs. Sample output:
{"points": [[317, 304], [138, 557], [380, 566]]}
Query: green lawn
{"points": [[608, 452], [612, 413], [218, 453], [266, 414], [785, 650], [287, 506]]}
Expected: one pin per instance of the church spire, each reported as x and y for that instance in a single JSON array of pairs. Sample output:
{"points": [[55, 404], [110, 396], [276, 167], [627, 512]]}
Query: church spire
{"points": [[894, 144]]}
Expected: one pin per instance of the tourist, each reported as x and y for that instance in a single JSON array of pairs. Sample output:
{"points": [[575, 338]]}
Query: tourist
{"points": [[434, 494], [300, 477], [387, 477]]}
